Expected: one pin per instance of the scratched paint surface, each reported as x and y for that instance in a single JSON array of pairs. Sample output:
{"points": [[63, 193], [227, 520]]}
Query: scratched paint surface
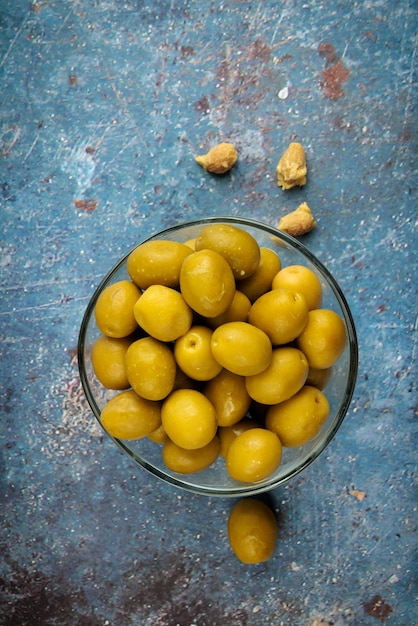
{"points": [[103, 107]]}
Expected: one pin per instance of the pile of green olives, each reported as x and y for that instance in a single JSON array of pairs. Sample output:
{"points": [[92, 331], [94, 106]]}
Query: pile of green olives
{"points": [[216, 350]]}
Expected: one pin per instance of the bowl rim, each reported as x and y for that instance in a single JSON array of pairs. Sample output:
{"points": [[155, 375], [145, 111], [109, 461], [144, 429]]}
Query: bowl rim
{"points": [[246, 489]]}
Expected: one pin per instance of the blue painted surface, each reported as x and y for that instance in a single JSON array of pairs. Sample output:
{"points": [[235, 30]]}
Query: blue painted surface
{"points": [[103, 107]]}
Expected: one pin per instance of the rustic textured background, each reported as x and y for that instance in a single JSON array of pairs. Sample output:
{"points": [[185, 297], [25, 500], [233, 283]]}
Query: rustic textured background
{"points": [[104, 105]]}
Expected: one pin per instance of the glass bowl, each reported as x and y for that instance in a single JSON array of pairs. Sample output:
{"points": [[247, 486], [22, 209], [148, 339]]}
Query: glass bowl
{"points": [[215, 480]]}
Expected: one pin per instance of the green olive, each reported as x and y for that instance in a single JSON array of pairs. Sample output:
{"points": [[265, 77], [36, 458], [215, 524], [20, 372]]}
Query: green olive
{"points": [[253, 455], [236, 245], [302, 279], [194, 356], [108, 361], [163, 313], [252, 531], [151, 368], [241, 348], [184, 461], [207, 283], [237, 312], [157, 263], [189, 418], [182, 381], [281, 313], [128, 416], [261, 280], [323, 339], [227, 434], [285, 375], [114, 309], [229, 396], [319, 378], [158, 435], [299, 419]]}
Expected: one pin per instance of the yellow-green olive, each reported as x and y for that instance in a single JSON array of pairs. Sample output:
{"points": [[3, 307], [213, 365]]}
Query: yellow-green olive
{"points": [[114, 309], [252, 531], [108, 361], [163, 313], [229, 396], [227, 434], [298, 420], [323, 339], [302, 279], [189, 418], [237, 246], [319, 378], [237, 312], [128, 416], [253, 455], [261, 280], [281, 313], [158, 435], [157, 263], [207, 283], [151, 368], [184, 461], [194, 356], [285, 375], [241, 348]]}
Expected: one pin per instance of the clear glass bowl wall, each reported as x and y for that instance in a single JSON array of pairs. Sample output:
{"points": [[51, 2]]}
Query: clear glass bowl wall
{"points": [[215, 481]]}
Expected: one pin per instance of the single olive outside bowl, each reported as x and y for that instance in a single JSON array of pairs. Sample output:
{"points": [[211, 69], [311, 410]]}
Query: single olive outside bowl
{"points": [[215, 481]]}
